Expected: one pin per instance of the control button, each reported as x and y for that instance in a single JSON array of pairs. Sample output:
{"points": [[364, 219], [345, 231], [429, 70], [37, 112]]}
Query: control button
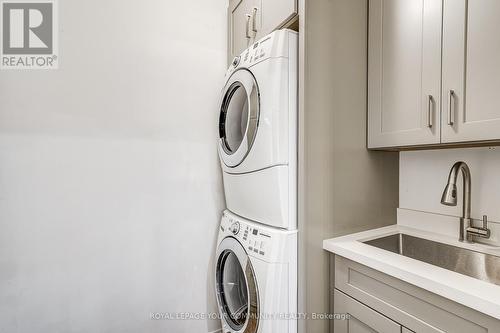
{"points": [[235, 228], [261, 252], [236, 61]]}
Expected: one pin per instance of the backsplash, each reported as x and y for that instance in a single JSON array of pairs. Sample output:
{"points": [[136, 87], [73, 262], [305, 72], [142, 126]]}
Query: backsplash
{"points": [[424, 174]]}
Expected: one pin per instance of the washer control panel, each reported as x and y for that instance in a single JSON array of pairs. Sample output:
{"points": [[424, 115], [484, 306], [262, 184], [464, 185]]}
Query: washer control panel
{"points": [[255, 240], [260, 241], [253, 237]]}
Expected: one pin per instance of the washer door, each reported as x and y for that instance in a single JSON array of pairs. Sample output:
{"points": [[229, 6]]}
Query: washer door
{"points": [[239, 117], [236, 287]]}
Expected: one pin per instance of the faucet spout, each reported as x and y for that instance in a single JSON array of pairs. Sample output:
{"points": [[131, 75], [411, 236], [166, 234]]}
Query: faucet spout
{"points": [[449, 197]]}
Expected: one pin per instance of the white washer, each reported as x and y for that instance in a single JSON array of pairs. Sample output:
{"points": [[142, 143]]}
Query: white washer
{"points": [[256, 277], [258, 131]]}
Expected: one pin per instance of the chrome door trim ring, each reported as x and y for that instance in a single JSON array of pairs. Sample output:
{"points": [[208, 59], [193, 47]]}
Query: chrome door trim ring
{"points": [[231, 245], [245, 79]]}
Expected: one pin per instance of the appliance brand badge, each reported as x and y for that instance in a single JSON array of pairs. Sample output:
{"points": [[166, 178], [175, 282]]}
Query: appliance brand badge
{"points": [[29, 34]]}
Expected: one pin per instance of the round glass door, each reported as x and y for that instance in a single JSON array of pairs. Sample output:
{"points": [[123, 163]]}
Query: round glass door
{"points": [[236, 287], [234, 291], [238, 117]]}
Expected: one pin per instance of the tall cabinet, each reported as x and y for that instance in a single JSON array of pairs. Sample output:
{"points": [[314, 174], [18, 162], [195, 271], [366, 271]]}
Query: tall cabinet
{"points": [[434, 72]]}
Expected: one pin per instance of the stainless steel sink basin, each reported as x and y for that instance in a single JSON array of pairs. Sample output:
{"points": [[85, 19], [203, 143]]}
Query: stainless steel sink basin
{"points": [[474, 264]]}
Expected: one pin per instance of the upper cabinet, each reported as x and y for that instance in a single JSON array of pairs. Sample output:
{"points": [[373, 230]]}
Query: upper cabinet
{"points": [[243, 22], [471, 70], [434, 69], [275, 14], [249, 20], [404, 72]]}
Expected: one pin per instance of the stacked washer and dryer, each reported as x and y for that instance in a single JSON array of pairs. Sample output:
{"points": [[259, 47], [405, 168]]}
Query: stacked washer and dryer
{"points": [[256, 258]]}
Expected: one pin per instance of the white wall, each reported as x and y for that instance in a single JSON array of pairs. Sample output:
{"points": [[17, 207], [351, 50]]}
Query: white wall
{"points": [[110, 189], [424, 174]]}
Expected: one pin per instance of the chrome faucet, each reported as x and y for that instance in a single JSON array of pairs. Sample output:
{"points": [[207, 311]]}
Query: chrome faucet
{"points": [[449, 198]]}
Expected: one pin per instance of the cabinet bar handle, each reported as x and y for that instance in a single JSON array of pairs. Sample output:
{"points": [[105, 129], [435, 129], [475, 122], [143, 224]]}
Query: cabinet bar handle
{"points": [[247, 28], [430, 114], [254, 19], [451, 108]]}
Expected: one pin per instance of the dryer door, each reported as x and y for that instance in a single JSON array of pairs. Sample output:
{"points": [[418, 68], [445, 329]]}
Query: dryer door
{"points": [[236, 288], [239, 117]]}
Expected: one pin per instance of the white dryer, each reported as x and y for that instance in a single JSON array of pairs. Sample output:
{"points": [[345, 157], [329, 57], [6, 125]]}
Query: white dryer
{"points": [[258, 131], [256, 277]]}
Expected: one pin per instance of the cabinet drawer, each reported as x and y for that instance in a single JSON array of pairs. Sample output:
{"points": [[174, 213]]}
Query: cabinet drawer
{"points": [[362, 319], [412, 307]]}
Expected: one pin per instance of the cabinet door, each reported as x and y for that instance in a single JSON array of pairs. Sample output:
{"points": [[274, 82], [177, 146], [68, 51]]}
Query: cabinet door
{"points": [[362, 319], [471, 70], [242, 24], [274, 14], [404, 72]]}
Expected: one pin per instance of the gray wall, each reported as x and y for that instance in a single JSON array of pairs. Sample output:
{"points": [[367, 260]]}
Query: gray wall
{"points": [[343, 187], [110, 188]]}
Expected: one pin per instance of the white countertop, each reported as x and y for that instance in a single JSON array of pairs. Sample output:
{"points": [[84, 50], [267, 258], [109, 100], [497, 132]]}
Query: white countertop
{"points": [[476, 294]]}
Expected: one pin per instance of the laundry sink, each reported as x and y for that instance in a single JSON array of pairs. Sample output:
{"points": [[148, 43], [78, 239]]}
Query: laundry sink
{"points": [[478, 265]]}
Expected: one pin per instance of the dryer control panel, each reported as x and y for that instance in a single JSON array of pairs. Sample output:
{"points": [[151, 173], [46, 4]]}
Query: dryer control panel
{"points": [[275, 45], [260, 241]]}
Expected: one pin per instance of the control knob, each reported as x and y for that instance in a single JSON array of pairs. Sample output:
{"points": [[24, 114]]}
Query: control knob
{"points": [[235, 228], [236, 61]]}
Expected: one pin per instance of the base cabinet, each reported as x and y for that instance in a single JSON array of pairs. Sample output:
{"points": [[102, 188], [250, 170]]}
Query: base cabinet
{"points": [[376, 302]]}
